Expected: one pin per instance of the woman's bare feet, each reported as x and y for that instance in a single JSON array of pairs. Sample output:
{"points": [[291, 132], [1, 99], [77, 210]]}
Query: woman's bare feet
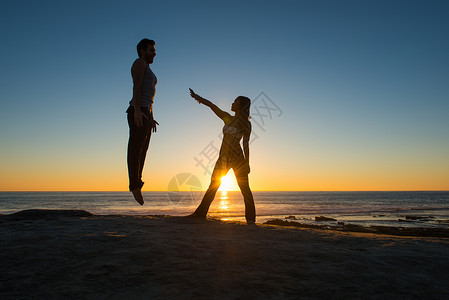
{"points": [[195, 216]]}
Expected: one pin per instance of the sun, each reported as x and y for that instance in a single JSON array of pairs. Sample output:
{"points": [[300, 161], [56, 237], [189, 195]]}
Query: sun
{"points": [[228, 183]]}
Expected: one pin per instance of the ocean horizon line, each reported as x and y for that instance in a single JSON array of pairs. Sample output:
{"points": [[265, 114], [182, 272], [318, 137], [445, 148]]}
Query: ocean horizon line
{"points": [[166, 191]]}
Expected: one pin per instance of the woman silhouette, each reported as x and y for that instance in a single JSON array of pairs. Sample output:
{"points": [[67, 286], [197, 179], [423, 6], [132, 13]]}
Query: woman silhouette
{"points": [[231, 155]]}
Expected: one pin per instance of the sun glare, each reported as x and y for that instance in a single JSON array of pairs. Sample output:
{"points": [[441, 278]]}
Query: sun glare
{"points": [[227, 183]]}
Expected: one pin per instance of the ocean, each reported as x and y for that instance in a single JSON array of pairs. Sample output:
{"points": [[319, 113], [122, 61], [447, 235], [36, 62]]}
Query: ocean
{"points": [[404, 209]]}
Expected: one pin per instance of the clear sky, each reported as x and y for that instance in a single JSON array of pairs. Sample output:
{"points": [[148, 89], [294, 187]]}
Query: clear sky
{"points": [[359, 91]]}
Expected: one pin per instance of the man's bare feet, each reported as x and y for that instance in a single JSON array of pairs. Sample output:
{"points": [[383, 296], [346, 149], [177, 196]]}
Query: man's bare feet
{"points": [[137, 193]]}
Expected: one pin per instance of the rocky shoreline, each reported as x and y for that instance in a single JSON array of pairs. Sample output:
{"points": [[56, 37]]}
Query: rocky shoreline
{"points": [[341, 226]]}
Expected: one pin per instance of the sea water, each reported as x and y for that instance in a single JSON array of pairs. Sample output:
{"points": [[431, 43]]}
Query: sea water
{"points": [[406, 209]]}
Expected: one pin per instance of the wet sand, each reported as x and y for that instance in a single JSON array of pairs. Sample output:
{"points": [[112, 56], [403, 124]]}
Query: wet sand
{"points": [[75, 255]]}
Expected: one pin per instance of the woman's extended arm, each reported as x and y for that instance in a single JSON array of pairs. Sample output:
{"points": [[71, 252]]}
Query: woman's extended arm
{"points": [[221, 114]]}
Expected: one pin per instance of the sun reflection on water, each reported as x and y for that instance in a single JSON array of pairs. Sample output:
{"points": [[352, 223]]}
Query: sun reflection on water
{"points": [[224, 203]]}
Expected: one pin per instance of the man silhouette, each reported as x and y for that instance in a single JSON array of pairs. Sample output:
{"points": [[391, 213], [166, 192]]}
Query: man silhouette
{"points": [[140, 115]]}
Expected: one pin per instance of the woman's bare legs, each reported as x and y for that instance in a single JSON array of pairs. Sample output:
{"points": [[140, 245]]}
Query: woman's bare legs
{"points": [[242, 179], [209, 196], [250, 209], [215, 182]]}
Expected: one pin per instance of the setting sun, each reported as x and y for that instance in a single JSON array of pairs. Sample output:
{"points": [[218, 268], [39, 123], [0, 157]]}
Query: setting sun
{"points": [[228, 182]]}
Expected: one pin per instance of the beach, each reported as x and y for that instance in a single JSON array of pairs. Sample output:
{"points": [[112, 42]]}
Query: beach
{"points": [[76, 255]]}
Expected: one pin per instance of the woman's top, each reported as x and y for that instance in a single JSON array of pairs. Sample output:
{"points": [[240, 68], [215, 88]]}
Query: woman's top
{"points": [[230, 147]]}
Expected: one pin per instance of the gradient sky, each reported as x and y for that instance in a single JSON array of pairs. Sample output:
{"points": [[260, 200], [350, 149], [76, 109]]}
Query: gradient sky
{"points": [[361, 89]]}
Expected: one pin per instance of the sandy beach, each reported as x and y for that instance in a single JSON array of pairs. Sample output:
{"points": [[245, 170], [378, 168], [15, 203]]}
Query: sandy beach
{"points": [[75, 255]]}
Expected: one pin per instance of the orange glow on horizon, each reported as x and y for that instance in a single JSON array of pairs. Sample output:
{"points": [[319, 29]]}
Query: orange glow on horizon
{"points": [[307, 179]]}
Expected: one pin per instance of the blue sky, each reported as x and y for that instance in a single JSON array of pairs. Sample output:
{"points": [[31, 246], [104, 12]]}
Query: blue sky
{"points": [[362, 86]]}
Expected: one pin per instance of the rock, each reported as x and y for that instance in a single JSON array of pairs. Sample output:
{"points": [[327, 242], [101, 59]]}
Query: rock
{"points": [[48, 213], [321, 218], [291, 218], [418, 217], [443, 221], [413, 218], [400, 231], [401, 220]]}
